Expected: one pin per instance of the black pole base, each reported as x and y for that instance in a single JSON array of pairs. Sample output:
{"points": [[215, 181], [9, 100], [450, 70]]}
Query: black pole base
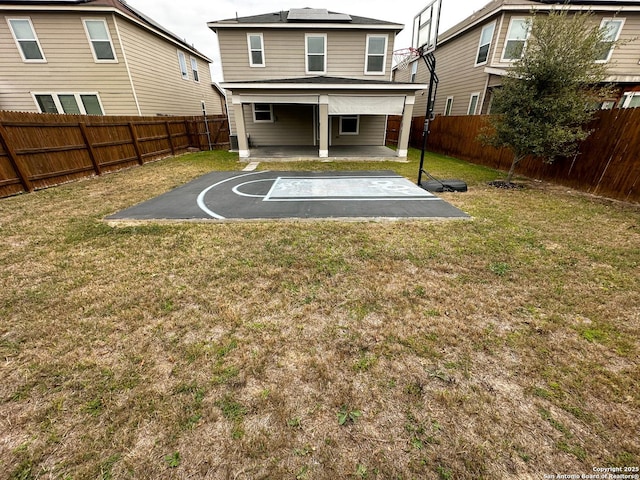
{"points": [[439, 186]]}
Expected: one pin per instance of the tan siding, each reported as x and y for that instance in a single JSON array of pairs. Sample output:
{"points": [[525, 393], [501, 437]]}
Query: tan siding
{"points": [[371, 132], [70, 65], [285, 54], [626, 56], [155, 70], [293, 125]]}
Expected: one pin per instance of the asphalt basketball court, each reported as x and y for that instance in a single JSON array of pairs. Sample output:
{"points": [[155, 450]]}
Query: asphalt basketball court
{"points": [[261, 195]]}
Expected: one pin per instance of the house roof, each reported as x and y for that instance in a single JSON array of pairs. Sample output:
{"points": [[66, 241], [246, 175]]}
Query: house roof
{"points": [[331, 83], [118, 5], [496, 6], [303, 17]]}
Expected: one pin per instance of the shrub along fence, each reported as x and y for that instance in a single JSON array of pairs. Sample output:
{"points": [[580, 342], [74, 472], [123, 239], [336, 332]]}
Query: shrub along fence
{"points": [[41, 150], [607, 163]]}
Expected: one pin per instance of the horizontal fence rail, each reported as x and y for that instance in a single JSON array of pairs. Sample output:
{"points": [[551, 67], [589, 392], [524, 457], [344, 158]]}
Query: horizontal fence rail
{"points": [[607, 163], [41, 150]]}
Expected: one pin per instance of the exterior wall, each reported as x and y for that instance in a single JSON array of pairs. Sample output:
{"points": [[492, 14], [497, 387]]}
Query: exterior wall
{"points": [[292, 125], [69, 68], [284, 52], [372, 131], [157, 78]]}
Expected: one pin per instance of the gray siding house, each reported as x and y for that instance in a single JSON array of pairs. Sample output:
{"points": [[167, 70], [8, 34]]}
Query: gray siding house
{"points": [[311, 77], [473, 56], [98, 57]]}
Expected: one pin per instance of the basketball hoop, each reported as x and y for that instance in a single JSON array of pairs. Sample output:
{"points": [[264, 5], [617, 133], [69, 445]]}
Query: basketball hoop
{"points": [[402, 58]]}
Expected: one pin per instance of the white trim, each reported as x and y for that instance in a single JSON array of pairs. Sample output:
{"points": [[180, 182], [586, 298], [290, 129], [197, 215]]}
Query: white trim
{"points": [[617, 37], [475, 110], [126, 64], [627, 97], [506, 40], [306, 53], [264, 60], [243, 153], [58, 104], [357, 132], [480, 44], [307, 26], [253, 111], [35, 38], [384, 55], [90, 40], [323, 153], [406, 87]]}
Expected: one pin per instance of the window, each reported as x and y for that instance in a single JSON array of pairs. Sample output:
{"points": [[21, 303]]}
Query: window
{"points": [[71, 103], [473, 103], [262, 113], [26, 39], [182, 60], [630, 100], [376, 54], [316, 53], [612, 28], [449, 106], [485, 44], [414, 71], [194, 69], [255, 42], [100, 40], [349, 125], [516, 39]]}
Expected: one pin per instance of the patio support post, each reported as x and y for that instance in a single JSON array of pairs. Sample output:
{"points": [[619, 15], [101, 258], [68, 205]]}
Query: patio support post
{"points": [[241, 129], [405, 127], [324, 126]]}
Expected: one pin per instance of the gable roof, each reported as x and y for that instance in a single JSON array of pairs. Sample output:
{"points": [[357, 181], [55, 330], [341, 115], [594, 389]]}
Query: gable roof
{"points": [[304, 17], [117, 6], [526, 6]]}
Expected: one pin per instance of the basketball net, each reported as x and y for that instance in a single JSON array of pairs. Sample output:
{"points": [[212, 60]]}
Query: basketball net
{"points": [[402, 58]]}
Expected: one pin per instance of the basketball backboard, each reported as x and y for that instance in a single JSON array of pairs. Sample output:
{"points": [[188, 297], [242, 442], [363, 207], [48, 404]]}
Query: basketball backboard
{"points": [[425, 27]]}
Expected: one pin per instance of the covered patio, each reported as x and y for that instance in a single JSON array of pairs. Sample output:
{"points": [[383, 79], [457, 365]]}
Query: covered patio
{"points": [[310, 152]]}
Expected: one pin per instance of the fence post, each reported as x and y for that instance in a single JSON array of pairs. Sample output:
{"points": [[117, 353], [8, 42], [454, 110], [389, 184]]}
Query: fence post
{"points": [[136, 145], [15, 163], [166, 126], [187, 129], [92, 153]]}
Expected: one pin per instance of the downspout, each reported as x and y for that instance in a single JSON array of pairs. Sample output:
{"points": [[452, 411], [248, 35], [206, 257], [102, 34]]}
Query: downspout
{"points": [[126, 64]]}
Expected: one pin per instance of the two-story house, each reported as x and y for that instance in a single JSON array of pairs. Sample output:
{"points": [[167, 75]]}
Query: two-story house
{"points": [[474, 55], [312, 77], [98, 57]]}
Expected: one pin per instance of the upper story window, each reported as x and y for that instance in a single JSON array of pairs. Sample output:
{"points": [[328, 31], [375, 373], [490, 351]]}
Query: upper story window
{"points": [[70, 103], [316, 53], [255, 43], [376, 54], [100, 40], [194, 69], [516, 39], [485, 44], [612, 28], [414, 71], [182, 60], [26, 39]]}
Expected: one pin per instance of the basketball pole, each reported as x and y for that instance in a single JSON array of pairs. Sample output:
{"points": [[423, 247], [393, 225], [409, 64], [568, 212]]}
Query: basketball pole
{"points": [[430, 62]]}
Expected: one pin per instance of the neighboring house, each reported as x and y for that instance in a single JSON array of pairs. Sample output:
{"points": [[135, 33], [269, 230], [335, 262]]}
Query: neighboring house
{"points": [[98, 57], [473, 56], [311, 77]]}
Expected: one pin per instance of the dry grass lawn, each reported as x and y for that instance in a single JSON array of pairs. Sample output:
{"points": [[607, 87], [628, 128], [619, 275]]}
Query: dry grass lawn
{"points": [[506, 346]]}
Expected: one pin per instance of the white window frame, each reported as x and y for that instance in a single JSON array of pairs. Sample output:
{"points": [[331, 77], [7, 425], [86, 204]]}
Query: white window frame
{"points": [[384, 55], [306, 53], [357, 118], [182, 63], [58, 104], [491, 26], [627, 97], [475, 95], [35, 38], [253, 110], [264, 61], [617, 36], [507, 38], [194, 69], [448, 106], [414, 71], [90, 40]]}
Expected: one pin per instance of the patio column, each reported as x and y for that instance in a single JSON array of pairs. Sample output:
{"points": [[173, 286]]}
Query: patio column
{"points": [[405, 127], [323, 109], [241, 129]]}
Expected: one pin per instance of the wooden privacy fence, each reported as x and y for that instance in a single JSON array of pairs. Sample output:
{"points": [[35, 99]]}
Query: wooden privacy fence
{"points": [[41, 150], [607, 163]]}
